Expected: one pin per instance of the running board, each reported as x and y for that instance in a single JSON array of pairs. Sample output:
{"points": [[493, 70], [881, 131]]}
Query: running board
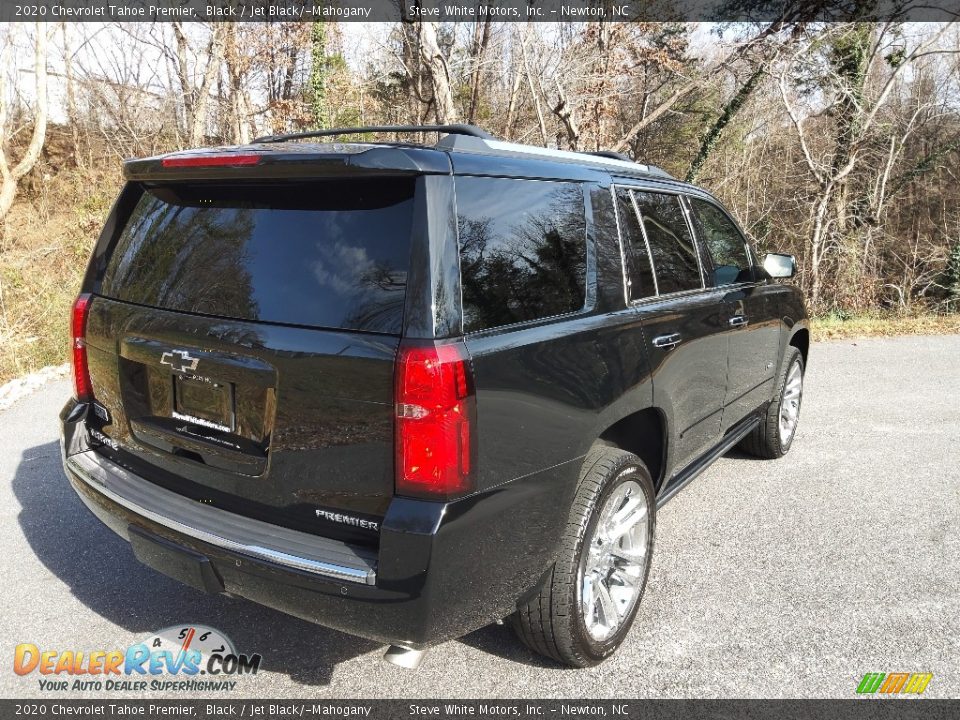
{"points": [[683, 478]]}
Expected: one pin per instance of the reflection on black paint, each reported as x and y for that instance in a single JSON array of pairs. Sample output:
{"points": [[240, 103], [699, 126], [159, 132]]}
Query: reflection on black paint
{"points": [[522, 249], [641, 277], [674, 254], [321, 254]]}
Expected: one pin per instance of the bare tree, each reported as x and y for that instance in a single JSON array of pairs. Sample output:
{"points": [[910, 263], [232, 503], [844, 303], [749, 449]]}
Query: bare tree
{"points": [[436, 63], [196, 91], [237, 64], [479, 50], [858, 52], [11, 176]]}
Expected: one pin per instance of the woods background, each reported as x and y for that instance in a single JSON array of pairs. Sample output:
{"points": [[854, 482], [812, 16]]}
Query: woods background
{"points": [[835, 142]]}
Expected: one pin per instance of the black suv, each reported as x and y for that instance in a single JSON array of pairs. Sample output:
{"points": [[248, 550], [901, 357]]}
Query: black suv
{"points": [[406, 390]]}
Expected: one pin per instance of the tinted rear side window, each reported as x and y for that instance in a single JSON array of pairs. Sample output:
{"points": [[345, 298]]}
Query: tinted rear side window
{"points": [[324, 254], [671, 244], [523, 251]]}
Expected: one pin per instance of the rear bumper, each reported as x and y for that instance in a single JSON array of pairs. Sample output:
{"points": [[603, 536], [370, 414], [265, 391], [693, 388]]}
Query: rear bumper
{"points": [[255, 539], [442, 569]]}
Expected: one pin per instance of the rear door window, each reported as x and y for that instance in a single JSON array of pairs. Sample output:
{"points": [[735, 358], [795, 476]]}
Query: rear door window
{"points": [[672, 246], [523, 250], [322, 254], [635, 249], [727, 247]]}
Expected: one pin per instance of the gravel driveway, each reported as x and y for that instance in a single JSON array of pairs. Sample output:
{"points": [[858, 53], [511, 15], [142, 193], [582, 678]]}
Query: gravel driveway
{"points": [[787, 578]]}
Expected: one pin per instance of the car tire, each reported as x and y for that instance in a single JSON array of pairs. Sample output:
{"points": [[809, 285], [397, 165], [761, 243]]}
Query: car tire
{"points": [[770, 440], [556, 621]]}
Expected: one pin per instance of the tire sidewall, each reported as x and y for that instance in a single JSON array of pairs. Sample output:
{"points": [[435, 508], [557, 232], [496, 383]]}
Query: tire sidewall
{"points": [[592, 649]]}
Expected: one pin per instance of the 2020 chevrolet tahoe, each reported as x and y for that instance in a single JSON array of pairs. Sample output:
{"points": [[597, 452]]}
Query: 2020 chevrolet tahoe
{"points": [[406, 390]]}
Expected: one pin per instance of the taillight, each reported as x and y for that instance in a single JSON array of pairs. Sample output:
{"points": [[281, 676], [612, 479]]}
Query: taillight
{"points": [[210, 160], [434, 421], [82, 389]]}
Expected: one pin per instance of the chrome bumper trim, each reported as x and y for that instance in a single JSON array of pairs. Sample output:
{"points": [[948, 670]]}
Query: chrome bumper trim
{"points": [[255, 538]]}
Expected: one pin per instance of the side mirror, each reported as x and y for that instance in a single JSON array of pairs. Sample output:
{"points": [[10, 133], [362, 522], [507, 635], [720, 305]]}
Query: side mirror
{"points": [[780, 265]]}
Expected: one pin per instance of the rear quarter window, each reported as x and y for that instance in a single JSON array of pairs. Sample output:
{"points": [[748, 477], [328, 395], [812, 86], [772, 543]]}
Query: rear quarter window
{"points": [[523, 251], [322, 254]]}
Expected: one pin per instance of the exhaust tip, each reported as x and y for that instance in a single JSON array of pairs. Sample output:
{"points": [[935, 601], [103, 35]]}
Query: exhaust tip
{"points": [[404, 657]]}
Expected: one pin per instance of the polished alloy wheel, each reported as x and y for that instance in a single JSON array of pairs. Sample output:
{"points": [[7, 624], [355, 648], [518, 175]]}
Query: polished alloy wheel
{"points": [[615, 563], [790, 403]]}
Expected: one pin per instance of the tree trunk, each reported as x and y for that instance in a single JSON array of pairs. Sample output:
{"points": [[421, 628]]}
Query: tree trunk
{"points": [[564, 112], [183, 76], [436, 65], [541, 123], [11, 176], [214, 60], [480, 49], [72, 119], [816, 246], [514, 93], [601, 75], [239, 110]]}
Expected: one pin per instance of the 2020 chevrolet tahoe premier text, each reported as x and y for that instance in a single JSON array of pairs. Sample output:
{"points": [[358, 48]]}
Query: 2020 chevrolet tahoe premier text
{"points": [[405, 390]]}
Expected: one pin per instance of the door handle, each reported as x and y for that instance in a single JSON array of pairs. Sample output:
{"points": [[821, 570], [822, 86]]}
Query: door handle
{"points": [[667, 341], [738, 321]]}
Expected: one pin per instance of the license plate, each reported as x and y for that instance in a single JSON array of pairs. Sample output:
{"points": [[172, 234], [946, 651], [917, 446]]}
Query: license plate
{"points": [[206, 400]]}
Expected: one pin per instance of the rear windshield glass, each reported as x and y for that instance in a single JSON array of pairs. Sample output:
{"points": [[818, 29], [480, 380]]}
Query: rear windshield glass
{"points": [[324, 254]]}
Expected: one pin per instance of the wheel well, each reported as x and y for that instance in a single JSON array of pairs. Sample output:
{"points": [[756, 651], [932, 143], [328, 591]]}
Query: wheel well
{"points": [[801, 341], [642, 434]]}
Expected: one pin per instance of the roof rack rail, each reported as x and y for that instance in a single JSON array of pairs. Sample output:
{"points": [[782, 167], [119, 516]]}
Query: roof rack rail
{"points": [[608, 154], [494, 146], [456, 129]]}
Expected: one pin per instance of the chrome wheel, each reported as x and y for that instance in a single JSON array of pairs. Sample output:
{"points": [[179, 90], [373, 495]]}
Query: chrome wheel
{"points": [[790, 404], [615, 563]]}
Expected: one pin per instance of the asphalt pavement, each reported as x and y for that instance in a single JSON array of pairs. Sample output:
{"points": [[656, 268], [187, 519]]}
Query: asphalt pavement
{"points": [[786, 578]]}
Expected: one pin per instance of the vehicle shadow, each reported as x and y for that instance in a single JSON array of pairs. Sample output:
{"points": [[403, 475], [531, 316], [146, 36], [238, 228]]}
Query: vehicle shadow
{"points": [[737, 454], [102, 573], [499, 640]]}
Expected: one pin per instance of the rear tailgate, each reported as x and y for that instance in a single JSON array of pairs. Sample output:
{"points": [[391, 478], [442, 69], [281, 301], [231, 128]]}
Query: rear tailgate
{"points": [[242, 341]]}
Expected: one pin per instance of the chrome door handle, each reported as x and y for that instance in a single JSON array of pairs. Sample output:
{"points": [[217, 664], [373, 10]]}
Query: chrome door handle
{"points": [[667, 341], [738, 321]]}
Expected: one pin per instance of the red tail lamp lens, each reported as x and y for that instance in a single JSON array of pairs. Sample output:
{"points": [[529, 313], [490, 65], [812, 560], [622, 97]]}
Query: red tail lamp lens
{"points": [[82, 389], [434, 430]]}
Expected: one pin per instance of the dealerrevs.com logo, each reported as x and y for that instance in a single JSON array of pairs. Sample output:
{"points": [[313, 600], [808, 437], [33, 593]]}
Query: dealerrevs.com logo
{"points": [[180, 658]]}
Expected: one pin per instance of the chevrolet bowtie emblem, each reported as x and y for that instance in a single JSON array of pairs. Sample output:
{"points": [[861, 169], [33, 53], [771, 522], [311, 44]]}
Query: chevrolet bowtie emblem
{"points": [[179, 361]]}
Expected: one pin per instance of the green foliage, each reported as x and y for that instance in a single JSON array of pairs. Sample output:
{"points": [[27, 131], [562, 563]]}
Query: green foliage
{"points": [[730, 111], [895, 59], [839, 314]]}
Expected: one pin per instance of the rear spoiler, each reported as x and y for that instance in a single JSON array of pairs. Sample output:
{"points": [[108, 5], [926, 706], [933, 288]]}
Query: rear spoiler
{"points": [[288, 160]]}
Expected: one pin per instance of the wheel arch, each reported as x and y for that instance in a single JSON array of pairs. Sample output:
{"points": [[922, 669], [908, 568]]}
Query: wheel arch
{"points": [[643, 433], [801, 341]]}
